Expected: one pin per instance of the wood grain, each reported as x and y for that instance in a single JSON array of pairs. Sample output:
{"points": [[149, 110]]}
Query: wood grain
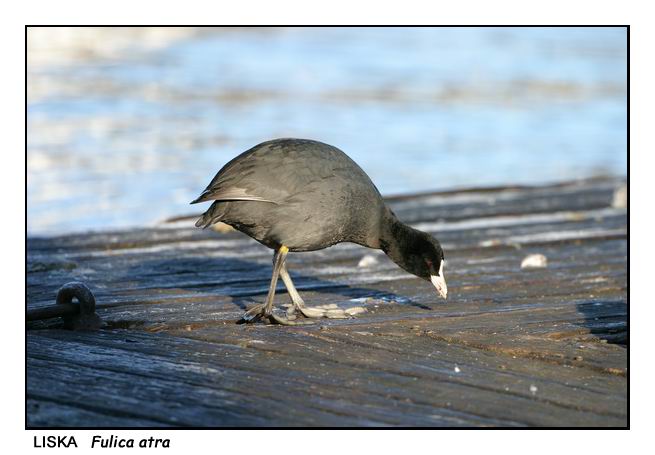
{"points": [[510, 347]]}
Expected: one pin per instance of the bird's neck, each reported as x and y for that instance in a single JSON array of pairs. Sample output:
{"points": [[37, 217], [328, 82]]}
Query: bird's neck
{"points": [[395, 238]]}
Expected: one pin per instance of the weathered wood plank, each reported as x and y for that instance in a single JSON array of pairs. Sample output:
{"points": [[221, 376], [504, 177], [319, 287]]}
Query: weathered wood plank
{"points": [[244, 381], [510, 347], [45, 411]]}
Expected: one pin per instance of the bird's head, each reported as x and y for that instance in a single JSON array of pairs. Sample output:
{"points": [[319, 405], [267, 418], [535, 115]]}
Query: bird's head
{"points": [[420, 254]]}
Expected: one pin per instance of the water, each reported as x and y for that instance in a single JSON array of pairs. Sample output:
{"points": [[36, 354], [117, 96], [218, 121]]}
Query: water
{"points": [[125, 129]]}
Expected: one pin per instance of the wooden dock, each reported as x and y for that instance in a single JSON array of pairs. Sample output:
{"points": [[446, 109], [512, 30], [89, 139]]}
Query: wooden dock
{"points": [[510, 346]]}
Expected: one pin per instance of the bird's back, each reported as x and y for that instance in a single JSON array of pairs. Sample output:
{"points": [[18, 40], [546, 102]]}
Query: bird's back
{"points": [[301, 193]]}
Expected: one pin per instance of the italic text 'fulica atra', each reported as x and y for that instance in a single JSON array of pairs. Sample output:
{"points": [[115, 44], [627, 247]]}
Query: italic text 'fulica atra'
{"points": [[304, 195]]}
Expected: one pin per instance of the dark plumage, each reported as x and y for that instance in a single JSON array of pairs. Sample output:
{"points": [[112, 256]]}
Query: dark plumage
{"points": [[304, 195]]}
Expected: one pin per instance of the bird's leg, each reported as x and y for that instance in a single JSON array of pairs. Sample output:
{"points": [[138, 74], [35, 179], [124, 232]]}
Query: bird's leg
{"points": [[331, 311], [265, 311], [278, 262], [298, 303]]}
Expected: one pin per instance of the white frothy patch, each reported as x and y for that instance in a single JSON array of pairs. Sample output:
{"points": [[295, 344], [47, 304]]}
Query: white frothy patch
{"points": [[534, 261], [367, 260], [620, 198]]}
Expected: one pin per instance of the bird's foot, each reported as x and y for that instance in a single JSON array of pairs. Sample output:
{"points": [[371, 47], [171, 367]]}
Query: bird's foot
{"points": [[258, 313], [330, 311]]}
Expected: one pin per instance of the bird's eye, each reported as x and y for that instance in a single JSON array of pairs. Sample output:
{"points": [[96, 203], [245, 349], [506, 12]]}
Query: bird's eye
{"points": [[430, 265]]}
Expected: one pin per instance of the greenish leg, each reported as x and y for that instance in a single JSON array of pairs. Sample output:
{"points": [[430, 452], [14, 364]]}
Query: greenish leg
{"points": [[265, 310]]}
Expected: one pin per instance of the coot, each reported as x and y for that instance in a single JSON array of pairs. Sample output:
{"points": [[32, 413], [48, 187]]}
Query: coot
{"points": [[304, 195]]}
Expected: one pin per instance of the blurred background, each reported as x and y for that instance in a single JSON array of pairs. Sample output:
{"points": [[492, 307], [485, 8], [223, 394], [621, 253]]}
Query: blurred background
{"points": [[125, 126]]}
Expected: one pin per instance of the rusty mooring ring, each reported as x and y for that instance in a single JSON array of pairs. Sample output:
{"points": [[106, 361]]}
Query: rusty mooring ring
{"points": [[76, 316]]}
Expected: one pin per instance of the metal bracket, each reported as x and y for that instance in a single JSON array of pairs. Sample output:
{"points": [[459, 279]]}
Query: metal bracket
{"points": [[76, 316]]}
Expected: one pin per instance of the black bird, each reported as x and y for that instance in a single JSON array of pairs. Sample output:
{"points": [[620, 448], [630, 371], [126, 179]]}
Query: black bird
{"points": [[304, 195]]}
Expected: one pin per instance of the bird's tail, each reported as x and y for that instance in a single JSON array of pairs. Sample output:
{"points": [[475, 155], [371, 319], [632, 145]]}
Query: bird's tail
{"points": [[213, 215]]}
